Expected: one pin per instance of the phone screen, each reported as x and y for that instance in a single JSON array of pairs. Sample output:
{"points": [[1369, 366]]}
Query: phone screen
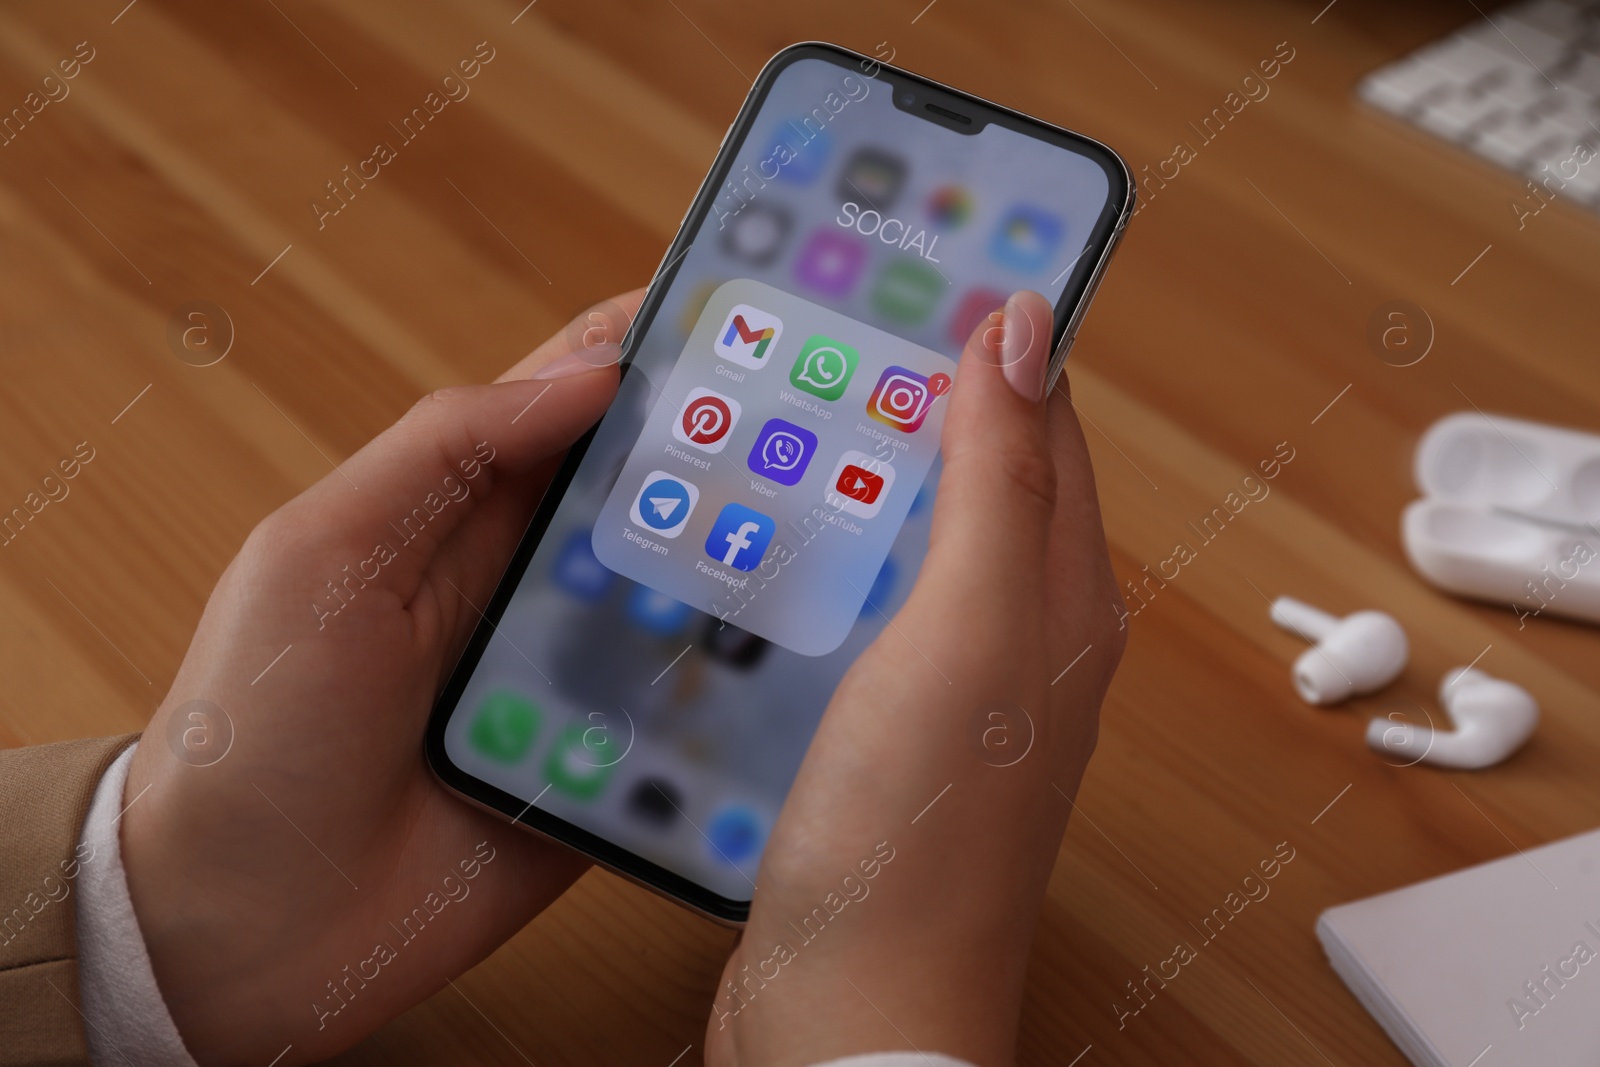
{"points": [[754, 506]]}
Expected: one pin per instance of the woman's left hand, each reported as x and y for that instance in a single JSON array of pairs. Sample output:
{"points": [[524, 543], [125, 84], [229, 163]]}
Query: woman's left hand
{"points": [[264, 880]]}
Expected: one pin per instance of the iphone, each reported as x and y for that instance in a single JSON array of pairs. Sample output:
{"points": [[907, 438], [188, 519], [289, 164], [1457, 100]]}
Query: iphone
{"points": [[754, 505]]}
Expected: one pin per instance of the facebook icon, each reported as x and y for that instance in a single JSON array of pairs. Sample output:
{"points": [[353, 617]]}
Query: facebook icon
{"points": [[740, 537]]}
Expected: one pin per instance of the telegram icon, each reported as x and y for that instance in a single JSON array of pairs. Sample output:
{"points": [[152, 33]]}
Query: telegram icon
{"points": [[664, 504]]}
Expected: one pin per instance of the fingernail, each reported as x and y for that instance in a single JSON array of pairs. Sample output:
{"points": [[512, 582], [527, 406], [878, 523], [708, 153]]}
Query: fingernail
{"points": [[1023, 357], [580, 362]]}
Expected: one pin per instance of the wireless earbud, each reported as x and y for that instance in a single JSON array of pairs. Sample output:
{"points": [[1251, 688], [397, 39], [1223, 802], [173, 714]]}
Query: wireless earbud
{"points": [[1492, 719], [1356, 654]]}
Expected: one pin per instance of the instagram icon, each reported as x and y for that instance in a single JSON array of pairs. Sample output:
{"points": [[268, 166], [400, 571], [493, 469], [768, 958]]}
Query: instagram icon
{"points": [[903, 398]]}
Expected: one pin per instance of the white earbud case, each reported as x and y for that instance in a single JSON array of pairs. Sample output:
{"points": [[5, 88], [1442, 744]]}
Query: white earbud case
{"points": [[1510, 514]]}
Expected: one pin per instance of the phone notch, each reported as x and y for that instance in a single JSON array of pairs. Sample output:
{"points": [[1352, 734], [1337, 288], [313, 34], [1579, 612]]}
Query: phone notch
{"points": [[936, 107]]}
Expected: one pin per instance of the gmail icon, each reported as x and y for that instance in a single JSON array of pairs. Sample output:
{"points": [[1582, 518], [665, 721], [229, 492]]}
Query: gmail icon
{"points": [[748, 337]]}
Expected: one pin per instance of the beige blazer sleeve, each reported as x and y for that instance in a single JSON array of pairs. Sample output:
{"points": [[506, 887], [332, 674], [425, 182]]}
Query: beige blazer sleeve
{"points": [[45, 792]]}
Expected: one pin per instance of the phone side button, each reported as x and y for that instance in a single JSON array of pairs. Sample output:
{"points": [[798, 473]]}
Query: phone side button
{"points": [[1058, 362], [678, 230]]}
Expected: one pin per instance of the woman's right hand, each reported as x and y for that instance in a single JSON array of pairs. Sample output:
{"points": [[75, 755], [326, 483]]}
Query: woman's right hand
{"points": [[897, 897]]}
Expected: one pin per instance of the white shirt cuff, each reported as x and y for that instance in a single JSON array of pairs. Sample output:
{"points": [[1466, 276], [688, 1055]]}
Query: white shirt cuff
{"points": [[127, 1018]]}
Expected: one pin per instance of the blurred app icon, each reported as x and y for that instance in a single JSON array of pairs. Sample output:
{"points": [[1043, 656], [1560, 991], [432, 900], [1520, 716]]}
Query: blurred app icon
{"points": [[740, 536], [735, 834], [859, 484], [706, 419], [920, 501], [831, 262], [949, 206], [748, 336], [656, 612], [504, 727], [655, 801], [882, 586], [824, 367], [907, 290], [577, 571], [782, 451], [728, 644], [757, 233], [696, 303], [664, 504], [973, 309], [581, 760], [803, 153], [874, 176], [1026, 239]]}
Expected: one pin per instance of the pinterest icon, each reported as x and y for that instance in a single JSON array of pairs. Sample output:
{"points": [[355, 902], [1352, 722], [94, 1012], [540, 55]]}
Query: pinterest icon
{"points": [[705, 420]]}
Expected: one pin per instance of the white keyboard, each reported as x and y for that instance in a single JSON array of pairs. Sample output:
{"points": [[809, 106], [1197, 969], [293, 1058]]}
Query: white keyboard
{"points": [[1520, 88]]}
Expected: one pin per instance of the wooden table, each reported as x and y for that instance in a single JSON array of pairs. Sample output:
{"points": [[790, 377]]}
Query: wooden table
{"points": [[182, 165]]}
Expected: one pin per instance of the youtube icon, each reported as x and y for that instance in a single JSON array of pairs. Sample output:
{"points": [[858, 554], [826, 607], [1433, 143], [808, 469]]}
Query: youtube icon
{"points": [[859, 484]]}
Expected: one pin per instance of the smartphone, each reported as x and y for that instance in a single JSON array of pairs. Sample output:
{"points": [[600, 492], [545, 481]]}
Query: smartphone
{"points": [[754, 505]]}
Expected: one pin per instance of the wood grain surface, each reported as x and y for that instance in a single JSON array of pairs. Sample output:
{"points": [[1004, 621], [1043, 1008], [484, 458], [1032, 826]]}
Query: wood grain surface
{"points": [[181, 167]]}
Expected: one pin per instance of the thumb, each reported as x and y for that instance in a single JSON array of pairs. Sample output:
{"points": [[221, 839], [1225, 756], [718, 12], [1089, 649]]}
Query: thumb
{"points": [[997, 493], [387, 509]]}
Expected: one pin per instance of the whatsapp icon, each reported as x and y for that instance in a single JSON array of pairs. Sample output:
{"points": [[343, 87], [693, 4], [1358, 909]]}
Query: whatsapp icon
{"points": [[824, 367]]}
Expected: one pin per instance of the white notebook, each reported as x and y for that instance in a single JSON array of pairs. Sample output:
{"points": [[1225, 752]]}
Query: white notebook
{"points": [[1492, 966]]}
